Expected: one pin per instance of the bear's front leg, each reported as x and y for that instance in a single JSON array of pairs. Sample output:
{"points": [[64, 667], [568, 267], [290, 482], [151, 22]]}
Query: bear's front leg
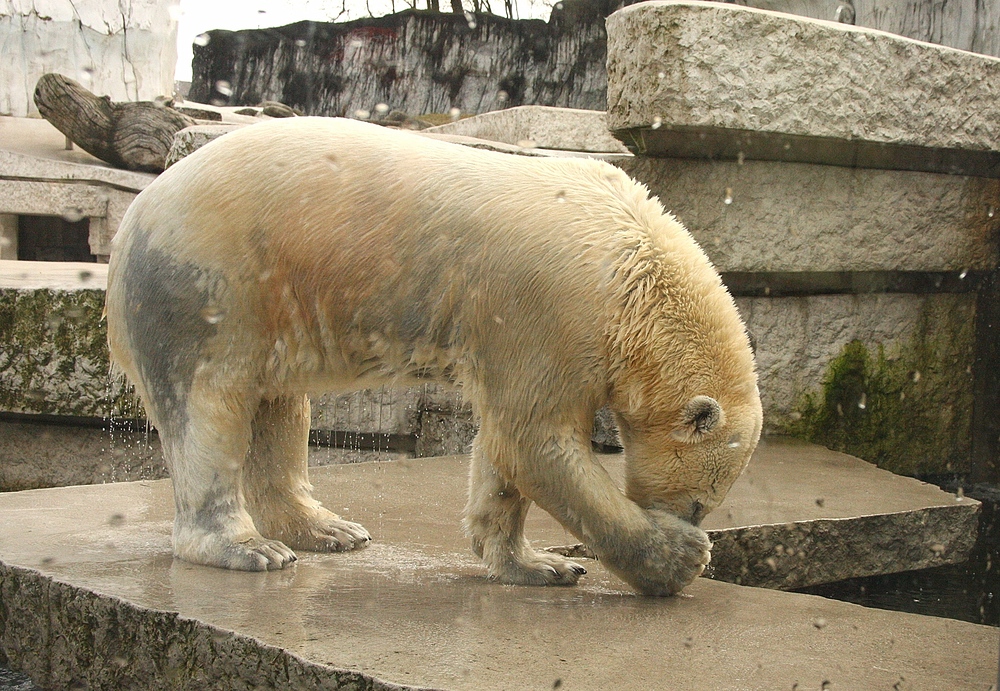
{"points": [[494, 518], [276, 482], [655, 552]]}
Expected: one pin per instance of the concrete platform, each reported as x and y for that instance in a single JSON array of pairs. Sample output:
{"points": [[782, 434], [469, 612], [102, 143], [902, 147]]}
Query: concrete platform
{"points": [[90, 594]]}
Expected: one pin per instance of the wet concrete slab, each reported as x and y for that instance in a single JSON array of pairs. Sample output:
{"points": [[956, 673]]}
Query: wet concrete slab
{"points": [[89, 593]]}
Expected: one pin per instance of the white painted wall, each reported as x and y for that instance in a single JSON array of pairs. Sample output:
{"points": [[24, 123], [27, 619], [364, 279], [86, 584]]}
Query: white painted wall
{"points": [[126, 49]]}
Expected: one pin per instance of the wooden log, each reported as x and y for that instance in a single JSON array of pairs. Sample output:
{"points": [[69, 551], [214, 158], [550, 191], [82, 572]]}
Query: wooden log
{"points": [[134, 136]]}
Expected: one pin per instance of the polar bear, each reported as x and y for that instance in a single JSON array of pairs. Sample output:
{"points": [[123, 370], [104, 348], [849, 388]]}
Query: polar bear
{"points": [[320, 254]]}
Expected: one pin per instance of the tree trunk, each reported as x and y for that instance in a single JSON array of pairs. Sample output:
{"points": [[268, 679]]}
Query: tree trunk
{"points": [[135, 136]]}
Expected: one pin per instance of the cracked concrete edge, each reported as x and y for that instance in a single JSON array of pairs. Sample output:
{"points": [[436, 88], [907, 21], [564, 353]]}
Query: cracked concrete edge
{"points": [[63, 636], [799, 554]]}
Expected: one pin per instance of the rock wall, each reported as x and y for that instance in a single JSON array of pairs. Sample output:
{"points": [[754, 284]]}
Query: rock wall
{"points": [[125, 49], [415, 61]]}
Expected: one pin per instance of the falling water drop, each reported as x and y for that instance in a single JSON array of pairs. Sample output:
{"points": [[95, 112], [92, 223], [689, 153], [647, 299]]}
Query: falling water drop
{"points": [[657, 122], [561, 197], [729, 196], [454, 114], [72, 214], [381, 108], [470, 19], [362, 114], [863, 402], [202, 40], [224, 88], [527, 143], [213, 314]]}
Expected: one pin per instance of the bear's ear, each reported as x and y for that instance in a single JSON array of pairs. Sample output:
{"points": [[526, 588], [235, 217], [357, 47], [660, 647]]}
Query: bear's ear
{"points": [[701, 415]]}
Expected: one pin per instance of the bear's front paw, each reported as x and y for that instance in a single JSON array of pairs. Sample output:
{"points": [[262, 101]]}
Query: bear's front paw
{"points": [[676, 554], [536, 568]]}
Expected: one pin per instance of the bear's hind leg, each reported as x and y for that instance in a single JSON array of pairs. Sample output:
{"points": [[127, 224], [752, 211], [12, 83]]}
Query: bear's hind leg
{"points": [[276, 482], [494, 517], [205, 450]]}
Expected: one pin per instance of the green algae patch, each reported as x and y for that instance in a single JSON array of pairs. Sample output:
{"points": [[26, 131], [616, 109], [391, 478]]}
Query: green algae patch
{"points": [[54, 357], [907, 407]]}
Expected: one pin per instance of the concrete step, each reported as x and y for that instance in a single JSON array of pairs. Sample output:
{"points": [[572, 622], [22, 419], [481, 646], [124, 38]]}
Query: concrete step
{"points": [[90, 593]]}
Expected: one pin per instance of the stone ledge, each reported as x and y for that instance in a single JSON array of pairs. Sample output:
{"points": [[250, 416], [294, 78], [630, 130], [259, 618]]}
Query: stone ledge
{"points": [[89, 593], [776, 86], [545, 127]]}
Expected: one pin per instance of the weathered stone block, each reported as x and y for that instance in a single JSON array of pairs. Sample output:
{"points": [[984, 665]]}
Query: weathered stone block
{"points": [[765, 216], [710, 79], [54, 358]]}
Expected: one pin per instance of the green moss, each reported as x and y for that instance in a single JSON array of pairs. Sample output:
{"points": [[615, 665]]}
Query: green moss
{"points": [[54, 358], [907, 408]]}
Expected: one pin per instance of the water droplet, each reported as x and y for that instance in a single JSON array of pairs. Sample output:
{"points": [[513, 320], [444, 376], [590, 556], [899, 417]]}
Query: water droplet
{"points": [[502, 96], [470, 19], [661, 75], [355, 43], [116, 519], [85, 276], [819, 622], [729, 196], [86, 76], [863, 401], [526, 143], [688, 642], [35, 395], [795, 415], [213, 314], [960, 494], [734, 441], [561, 197], [300, 43], [840, 410], [787, 146], [72, 214], [991, 212], [772, 562], [362, 114], [224, 88], [381, 108], [498, 319], [915, 375], [202, 40], [938, 549], [740, 158], [74, 313], [559, 6], [961, 276], [334, 164], [657, 122], [454, 114]]}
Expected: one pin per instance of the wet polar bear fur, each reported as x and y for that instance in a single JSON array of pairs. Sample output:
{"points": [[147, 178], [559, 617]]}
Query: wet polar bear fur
{"points": [[313, 254]]}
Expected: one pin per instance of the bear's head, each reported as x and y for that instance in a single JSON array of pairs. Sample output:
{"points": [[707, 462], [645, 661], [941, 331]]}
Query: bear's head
{"points": [[684, 457]]}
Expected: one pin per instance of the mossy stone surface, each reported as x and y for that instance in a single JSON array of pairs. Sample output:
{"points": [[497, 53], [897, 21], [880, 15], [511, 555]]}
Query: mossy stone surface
{"points": [[906, 406], [54, 356]]}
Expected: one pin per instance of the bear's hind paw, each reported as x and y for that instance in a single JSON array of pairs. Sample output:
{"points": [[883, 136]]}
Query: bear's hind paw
{"points": [[538, 568], [324, 531]]}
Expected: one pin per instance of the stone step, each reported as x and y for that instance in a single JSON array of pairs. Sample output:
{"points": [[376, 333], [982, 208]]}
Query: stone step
{"points": [[89, 593], [715, 80]]}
